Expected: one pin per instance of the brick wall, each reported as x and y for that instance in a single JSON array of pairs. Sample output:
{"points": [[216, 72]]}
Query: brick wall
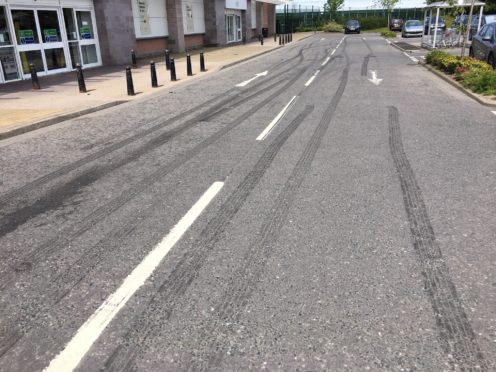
{"points": [[194, 41]]}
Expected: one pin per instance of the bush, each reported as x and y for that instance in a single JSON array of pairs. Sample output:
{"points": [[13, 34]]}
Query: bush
{"points": [[480, 81], [388, 34], [475, 75], [332, 27]]}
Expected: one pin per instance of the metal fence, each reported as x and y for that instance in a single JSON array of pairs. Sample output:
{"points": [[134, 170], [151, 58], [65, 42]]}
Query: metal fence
{"points": [[297, 17]]}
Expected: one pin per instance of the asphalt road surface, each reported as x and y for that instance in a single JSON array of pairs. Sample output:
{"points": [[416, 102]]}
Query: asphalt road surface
{"points": [[336, 213]]}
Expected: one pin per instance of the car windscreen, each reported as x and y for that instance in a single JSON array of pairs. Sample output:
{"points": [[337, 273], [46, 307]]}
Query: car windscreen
{"points": [[352, 23], [413, 23]]}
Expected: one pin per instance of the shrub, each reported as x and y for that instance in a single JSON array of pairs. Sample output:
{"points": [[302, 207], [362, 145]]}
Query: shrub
{"points": [[480, 81], [388, 34], [333, 27], [475, 75]]}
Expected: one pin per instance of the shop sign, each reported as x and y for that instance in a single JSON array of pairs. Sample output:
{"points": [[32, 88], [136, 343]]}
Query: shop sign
{"points": [[236, 4], [26, 36], [86, 32], [50, 35]]}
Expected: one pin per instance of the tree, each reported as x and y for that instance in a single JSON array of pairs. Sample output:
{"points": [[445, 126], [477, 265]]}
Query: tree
{"points": [[333, 6], [388, 5]]}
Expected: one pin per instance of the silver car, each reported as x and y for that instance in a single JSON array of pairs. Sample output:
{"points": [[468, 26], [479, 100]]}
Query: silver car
{"points": [[412, 27], [483, 44]]}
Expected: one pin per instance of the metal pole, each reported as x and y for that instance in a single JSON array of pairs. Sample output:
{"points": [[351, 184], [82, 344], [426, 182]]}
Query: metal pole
{"points": [[469, 24], [133, 59], [153, 74], [129, 81], [173, 70], [202, 62], [167, 60], [189, 69], [435, 28], [80, 78], [34, 77]]}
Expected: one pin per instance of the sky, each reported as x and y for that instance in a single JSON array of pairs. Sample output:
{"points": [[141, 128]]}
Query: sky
{"points": [[359, 4]]}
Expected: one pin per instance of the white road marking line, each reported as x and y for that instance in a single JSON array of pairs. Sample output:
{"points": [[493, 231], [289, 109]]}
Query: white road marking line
{"points": [[273, 123], [334, 51], [322, 39], [387, 41], [89, 332], [411, 57], [325, 62], [494, 112], [246, 82], [312, 78]]}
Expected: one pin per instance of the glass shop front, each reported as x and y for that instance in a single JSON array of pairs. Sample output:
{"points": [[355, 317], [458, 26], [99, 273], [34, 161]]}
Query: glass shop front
{"points": [[52, 37]]}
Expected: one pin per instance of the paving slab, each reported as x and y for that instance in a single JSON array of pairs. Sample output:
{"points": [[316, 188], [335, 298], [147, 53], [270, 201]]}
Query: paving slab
{"points": [[23, 107]]}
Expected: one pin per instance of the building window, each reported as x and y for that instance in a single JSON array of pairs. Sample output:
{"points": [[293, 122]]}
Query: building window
{"points": [[194, 17], [150, 18]]}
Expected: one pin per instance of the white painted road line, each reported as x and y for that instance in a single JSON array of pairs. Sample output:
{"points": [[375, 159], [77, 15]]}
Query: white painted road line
{"points": [[411, 57], [312, 78], [246, 82], [494, 112], [325, 62], [334, 51], [274, 122], [89, 332]]}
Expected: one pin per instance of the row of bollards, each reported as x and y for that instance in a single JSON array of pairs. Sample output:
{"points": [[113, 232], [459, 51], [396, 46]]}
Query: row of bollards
{"points": [[285, 38], [169, 64], [79, 74]]}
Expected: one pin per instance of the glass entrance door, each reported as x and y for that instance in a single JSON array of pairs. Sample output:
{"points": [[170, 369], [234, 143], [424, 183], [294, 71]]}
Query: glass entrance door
{"points": [[83, 44], [39, 40], [233, 25], [8, 60]]}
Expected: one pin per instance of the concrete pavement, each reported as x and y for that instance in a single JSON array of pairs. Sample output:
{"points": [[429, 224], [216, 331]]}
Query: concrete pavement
{"points": [[23, 108]]}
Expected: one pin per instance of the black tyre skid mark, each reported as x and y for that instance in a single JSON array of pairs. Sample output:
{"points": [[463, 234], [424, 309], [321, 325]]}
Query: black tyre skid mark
{"points": [[455, 331], [236, 296], [10, 335]]}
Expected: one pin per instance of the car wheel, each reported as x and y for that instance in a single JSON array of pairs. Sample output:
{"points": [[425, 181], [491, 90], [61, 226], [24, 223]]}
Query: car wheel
{"points": [[403, 35], [490, 60], [358, 32], [471, 52]]}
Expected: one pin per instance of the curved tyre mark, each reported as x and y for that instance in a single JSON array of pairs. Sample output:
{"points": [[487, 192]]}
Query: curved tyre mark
{"points": [[41, 303], [456, 333], [190, 264]]}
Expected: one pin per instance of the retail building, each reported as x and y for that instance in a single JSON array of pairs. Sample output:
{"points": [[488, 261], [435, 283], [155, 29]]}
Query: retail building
{"points": [[55, 35]]}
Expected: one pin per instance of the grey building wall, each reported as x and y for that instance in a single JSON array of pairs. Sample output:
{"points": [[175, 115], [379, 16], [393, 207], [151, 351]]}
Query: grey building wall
{"points": [[215, 22], [176, 41], [114, 19]]}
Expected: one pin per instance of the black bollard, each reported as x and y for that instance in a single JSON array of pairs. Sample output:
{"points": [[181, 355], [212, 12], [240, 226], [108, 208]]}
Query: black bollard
{"points": [[153, 72], [275, 37], [129, 81], [173, 70], [202, 62], [167, 60], [34, 77], [280, 40], [291, 38], [189, 69], [261, 41], [134, 64], [80, 78]]}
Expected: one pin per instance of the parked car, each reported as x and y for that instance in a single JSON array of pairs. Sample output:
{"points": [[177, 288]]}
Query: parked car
{"points": [[412, 27], [441, 25], [352, 25], [462, 20], [395, 24], [484, 44]]}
